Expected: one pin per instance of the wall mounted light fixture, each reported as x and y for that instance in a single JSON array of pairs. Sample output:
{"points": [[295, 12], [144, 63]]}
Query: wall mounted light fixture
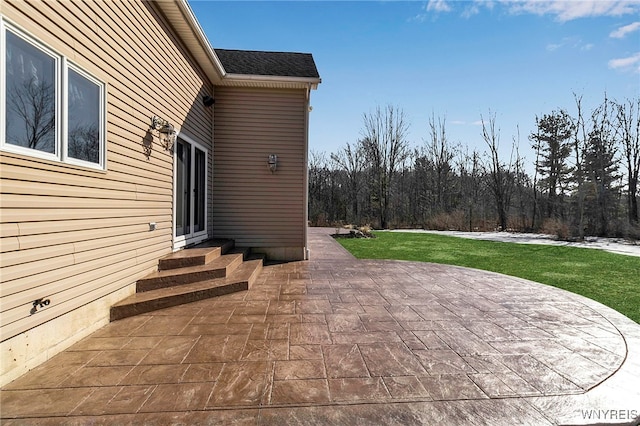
{"points": [[166, 131], [272, 162]]}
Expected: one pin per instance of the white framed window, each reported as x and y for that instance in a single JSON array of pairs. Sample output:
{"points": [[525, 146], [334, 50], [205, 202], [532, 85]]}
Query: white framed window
{"points": [[49, 107]]}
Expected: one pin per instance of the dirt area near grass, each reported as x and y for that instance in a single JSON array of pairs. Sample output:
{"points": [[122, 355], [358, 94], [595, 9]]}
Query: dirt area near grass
{"points": [[613, 245]]}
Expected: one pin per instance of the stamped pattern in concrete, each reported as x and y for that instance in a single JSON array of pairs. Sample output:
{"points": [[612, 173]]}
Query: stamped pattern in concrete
{"points": [[342, 341]]}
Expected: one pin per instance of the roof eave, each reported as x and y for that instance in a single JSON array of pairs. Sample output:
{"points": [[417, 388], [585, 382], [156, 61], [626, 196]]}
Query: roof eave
{"points": [[254, 80], [179, 14], [186, 25]]}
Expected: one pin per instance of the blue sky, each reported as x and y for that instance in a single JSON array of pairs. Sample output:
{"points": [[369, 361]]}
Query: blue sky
{"points": [[454, 59]]}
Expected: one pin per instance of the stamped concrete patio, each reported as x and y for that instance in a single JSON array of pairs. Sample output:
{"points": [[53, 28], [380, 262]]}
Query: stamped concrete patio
{"points": [[337, 340]]}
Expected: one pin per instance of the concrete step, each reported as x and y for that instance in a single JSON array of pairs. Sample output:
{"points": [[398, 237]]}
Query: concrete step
{"points": [[219, 267], [197, 255], [241, 279]]}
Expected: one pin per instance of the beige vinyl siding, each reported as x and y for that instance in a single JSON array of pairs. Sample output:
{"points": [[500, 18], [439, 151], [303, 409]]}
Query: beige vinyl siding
{"points": [[75, 235], [255, 207]]}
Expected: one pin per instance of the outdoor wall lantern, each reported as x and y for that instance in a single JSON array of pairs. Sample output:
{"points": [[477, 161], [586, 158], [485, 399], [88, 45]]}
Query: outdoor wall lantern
{"points": [[165, 130], [272, 162]]}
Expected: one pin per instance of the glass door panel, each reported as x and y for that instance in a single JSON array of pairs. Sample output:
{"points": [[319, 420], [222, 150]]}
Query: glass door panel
{"points": [[183, 188], [190, 193], [199, 190]]}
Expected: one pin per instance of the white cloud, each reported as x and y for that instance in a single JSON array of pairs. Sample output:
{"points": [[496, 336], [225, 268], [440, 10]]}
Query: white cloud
{"points": [[438, 6], [458, 122], [570, 42], [420, 17], [567, 10], [631, 63], [562, 10], [553, 46], [434, 6], [486, 3], [627, 29], [471, 10]]}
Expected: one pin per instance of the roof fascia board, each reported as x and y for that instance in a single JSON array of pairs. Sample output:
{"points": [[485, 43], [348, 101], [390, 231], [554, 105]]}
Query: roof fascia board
{"points": [[273, 79]]}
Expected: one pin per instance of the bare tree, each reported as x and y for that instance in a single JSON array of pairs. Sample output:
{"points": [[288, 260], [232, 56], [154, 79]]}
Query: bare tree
{"points": [[500, 174], [84, 143], [601, 171], [422, 196], [537, 147], [521, 181], [469, 176], [579, 144], [320, 208], [628, 123], [33, 103], [350, 160], [386, 148], [440, 154]]}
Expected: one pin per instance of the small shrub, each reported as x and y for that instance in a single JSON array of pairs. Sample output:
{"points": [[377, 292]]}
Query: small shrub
{"points": [[634, 233], [454, 221], [355, 232], [623, 229], [365, 229], [555, 227]]}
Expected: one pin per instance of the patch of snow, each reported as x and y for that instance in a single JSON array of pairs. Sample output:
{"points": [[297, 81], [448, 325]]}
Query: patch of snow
{"points": [[613, 245]]}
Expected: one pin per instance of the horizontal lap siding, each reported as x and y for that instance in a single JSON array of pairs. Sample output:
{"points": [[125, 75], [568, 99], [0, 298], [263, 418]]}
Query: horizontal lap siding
{"points": [[75, 235], [255, 207]]}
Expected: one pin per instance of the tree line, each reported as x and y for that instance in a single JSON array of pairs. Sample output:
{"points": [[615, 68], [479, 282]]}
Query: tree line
{"points": [[583, 180]]}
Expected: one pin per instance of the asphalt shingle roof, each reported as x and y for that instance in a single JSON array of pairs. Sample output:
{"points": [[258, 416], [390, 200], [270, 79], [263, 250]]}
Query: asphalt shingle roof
{"points": [[253, 62]]}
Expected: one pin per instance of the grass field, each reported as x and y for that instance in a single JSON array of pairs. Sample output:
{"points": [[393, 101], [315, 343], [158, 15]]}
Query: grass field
{"points": [[611, 279]]}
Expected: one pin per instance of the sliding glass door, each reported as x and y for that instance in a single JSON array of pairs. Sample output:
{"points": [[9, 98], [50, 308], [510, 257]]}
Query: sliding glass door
{"points": [[190, 207]]}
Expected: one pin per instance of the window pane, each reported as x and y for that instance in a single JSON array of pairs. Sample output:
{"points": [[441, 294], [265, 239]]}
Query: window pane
{"points": [[84, 118], [31, 96]]}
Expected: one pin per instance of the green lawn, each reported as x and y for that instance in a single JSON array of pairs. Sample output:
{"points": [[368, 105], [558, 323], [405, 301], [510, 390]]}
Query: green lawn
{"points": [[611, 279]]}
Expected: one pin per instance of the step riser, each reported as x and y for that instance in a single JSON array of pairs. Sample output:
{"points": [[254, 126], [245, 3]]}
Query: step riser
{"points": [[156, 283], [255, 275], [195, 256], [166, 264], [192, 277], [120, 312]]}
